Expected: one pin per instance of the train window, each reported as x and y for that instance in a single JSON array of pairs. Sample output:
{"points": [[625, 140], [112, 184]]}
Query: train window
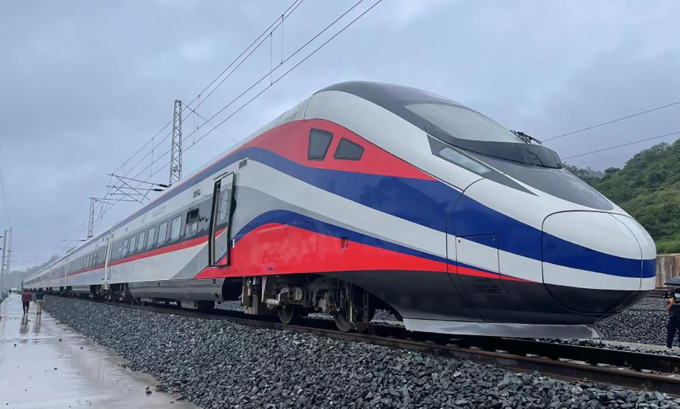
{"points": [[151, 238], [125, 248], [133, 244], [463, 123], [224, 207], [175, 226], [192, 223], [141, 241], [348, 150], [456, 157], [319, 141], [162, 233]]}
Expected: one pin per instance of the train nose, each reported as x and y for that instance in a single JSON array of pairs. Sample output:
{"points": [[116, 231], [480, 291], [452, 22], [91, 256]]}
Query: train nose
{"points": [[597, 263]]}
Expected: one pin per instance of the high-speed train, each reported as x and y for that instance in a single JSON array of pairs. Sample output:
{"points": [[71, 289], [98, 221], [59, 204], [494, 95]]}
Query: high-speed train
{"points": [[370, 195]]}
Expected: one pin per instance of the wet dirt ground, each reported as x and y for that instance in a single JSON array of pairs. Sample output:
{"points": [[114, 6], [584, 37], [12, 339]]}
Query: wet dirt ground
{"points": [[44, 364]]}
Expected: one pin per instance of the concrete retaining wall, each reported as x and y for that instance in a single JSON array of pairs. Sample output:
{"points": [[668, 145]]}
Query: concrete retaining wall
{"points": [[667, 266]]}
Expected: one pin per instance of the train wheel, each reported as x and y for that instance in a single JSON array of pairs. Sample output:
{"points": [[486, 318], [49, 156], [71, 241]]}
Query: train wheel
{"points": [[354, 310], [290, 314]]}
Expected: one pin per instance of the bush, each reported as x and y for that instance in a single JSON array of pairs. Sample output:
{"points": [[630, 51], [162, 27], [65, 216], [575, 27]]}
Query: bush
{"points": [[668, 246]]}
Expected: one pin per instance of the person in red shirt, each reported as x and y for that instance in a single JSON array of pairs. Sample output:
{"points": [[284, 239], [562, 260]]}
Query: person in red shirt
{"points": [[26, 299]]}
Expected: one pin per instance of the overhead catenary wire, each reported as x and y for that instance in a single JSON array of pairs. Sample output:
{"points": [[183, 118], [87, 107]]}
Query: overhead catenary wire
{"points": [[268, 74], [273, 82], [623, 144], [256, 43], [284, 74], [262, 36], [611, 122]]}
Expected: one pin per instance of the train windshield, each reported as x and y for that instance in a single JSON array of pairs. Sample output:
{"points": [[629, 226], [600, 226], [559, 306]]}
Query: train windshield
{"points": [[469, 130], [463, 123]]}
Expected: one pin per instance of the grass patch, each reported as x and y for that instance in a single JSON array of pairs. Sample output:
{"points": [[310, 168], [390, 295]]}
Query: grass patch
{"points": [[668, 246]]}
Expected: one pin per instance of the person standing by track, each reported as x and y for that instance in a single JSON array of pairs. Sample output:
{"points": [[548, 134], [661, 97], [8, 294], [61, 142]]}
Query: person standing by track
{"points": [[40, 300], [26, 300], [673, 308]]}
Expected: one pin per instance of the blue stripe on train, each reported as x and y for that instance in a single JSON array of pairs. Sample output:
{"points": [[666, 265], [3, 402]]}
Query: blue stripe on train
{"points": [[428, 202], [425, 202], [470, 218]]}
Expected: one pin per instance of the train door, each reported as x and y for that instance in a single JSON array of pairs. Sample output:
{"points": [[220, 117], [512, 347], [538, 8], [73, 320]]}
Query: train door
{"points": [[107, 260], [220, 224], [477, 264]]}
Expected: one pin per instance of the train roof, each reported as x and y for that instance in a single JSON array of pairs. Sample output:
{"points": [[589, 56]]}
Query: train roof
{"points": [[387, 95]]}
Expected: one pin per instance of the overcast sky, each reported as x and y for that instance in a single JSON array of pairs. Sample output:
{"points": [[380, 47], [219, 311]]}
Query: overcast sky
{"points": [[85, 84]]}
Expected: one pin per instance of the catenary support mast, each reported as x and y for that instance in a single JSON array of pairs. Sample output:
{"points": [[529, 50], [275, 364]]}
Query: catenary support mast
{"points": [[176, 150], [2, 266], [90, 220]]}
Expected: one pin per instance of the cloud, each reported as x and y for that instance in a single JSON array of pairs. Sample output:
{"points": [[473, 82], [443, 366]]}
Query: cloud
{"points": [[84, 85], [197, 51], [406, 11]]}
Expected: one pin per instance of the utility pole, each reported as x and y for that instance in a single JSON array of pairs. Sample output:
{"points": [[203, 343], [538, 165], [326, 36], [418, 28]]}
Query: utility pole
{"points": [[176, 149], [90, 220], [9, 252], [2, 266]]}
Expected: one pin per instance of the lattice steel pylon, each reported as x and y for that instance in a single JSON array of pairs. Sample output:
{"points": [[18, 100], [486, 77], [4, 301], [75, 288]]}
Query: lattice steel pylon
{"points": [[8, 262], [2, 263], [90, 220], [176, 150]]}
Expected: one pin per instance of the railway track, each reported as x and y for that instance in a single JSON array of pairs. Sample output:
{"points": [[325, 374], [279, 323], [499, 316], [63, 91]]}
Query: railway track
{"points": [[569, 362]]}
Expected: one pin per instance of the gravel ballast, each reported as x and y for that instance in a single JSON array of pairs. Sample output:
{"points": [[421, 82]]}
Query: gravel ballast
{"points": [[644, 323], [219, 364]]}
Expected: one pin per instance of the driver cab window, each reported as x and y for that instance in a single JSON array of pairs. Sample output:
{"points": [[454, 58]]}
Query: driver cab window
{"points": [[348, 150], [319, 141]]}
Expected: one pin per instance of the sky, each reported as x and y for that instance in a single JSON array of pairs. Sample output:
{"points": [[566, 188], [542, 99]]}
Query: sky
{"points": [[84, 85]]}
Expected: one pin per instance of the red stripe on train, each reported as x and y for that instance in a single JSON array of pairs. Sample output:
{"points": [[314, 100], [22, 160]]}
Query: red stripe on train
{"points": [[291, 140], [282, 249]]}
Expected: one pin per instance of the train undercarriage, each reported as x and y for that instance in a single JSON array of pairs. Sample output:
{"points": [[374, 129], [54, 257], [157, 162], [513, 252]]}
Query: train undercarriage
{"points": [[290, 297]]}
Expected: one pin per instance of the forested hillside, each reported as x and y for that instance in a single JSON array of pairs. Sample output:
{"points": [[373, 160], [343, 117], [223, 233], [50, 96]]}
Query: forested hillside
{"points": [[648, 187]]}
